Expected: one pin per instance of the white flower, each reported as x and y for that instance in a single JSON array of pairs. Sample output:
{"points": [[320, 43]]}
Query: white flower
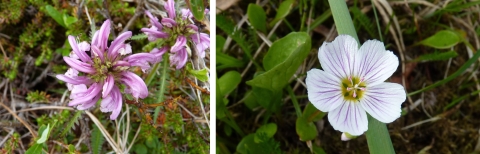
{"points": [[352, 83]]}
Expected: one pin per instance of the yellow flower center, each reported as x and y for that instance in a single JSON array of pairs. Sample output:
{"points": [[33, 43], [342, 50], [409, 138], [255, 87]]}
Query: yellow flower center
{"points": [[353, 88]]}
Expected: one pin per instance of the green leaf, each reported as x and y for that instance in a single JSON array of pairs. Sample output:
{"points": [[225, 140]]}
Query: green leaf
{"points": [[61, 18], [318, 150], [96, 140], [282, 60], [269, 129], [44, 136], [199, 74], [71, 122], [228, 82], [140, 36], [247, 144], [250, 100], [220, 105], [305, 130], [140, 148], [443, 39], [282, 11], [57, 16], [268, 99], [220, 40], [198, 9], [35, 149], [312, 113], [257, 17], [69, 20], [437, 56], [227, 61], [378, 138]]}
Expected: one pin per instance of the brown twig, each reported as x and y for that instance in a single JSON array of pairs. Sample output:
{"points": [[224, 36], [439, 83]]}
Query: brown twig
{"points": [[138, 12], [33, 132]]}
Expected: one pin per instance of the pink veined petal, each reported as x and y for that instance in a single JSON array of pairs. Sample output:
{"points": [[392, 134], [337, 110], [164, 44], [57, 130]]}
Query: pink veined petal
{"points": [[153, 20], [84, 46], [179, 44], [192, 28], [87, 95], [169, 22], [376, 64], [78, 91], [140, 57], [337, 57], [179, 59], [186, 13], [153, 34], [170, 7], [324, 90], [107, 86], [121, 63], [78, 65], [96, 52], [135, 84], [349, 117], [76, 80], [112, 103], [81, 54], [118, 43], [100, 38], [202, 42], [89, 104], [383, 101], [158, 53], [71, 72]]}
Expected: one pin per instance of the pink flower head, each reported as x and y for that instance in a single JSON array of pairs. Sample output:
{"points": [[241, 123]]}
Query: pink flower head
{"points": [[105, 68], [176, 31]]}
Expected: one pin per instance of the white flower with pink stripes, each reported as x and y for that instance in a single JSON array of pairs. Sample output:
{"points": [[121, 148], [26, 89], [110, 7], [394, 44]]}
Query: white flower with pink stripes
{"points": [[351, 84]]}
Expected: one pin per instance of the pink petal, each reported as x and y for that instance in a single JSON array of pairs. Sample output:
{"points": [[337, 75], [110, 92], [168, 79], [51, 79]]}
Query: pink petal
{"points": [[170, 7], [107, 86], [100, 39], [168, 22], [86, 96], [179, 44], [112, 103], [81, 54], [118, 43], [78, 65], [135, 84]]}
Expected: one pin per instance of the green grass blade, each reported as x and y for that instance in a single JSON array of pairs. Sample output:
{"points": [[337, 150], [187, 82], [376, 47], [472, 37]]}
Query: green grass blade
{"points": [[451, 77]]}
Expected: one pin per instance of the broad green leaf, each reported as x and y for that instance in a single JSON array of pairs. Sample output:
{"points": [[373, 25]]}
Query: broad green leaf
{"points": [[437, 56], [442, 40], [312, 113], [282, 11], [35, 149], [220, 105], [250, 100], [270, 100], [282, 60], [257, 17], [226, 61], [269, 129], [56, 15], [305, 130], [198, 9], [228, 82], [318, 150], [44, 136], [201, 75], [227, 129], [140, 148], [247, 144]]}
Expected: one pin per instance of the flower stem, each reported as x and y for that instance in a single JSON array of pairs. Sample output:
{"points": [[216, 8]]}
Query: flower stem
{"points": [[160, 96], [377, 134], [294, 101]]}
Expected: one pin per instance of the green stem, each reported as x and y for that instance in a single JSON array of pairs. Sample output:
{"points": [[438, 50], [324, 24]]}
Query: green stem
{"points": [[152, 74], [377, 134], [294, 101], [160, 96]]}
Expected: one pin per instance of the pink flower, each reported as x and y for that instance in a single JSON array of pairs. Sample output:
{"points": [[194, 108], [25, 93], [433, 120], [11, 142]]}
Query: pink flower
{"points": [[105, 68], [183, 31]]}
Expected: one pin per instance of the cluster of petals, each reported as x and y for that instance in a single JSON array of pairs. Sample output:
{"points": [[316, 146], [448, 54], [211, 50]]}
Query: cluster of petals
{"points": [[178, 51], [335, 90], [103, 67]]}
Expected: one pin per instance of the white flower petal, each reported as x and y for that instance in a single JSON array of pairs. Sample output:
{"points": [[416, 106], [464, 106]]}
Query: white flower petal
{"points": [[375, 64], [337, 57], [324, 90], [383, 101], [349, 117]]}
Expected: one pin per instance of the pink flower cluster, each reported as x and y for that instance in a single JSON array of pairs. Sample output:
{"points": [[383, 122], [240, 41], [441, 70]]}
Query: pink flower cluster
{"points": [[176, 31], [103, 68]]}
